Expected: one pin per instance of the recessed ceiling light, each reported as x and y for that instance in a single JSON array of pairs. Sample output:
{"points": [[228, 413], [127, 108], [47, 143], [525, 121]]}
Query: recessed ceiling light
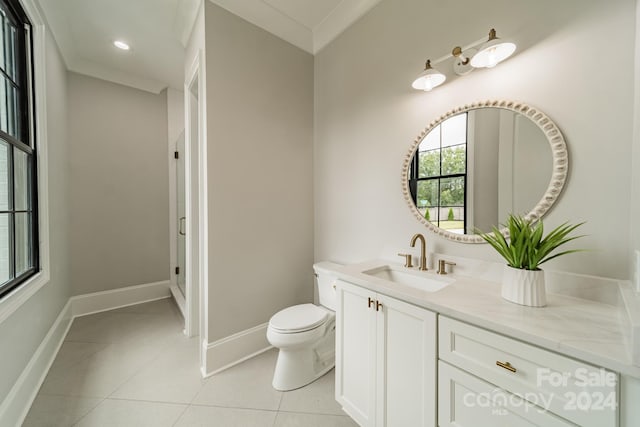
{"points": [[121, 45]]}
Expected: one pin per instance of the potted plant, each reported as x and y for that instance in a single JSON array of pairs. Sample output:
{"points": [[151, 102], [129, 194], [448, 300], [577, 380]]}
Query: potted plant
{"points": [[525, 250]]}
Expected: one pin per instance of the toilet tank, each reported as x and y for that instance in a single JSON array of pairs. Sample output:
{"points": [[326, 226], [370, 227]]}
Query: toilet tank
{"points": [[326, 278]]}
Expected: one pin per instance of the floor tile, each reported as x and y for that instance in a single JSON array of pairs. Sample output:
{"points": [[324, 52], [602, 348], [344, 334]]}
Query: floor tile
{"points": [[102, 373], [316, 398], [164, 307], [134, 367], [291, 419], [73, 353], [58, 411], [247, 385], [205, 416], [172, 377], [122, 327], [127, 413]]}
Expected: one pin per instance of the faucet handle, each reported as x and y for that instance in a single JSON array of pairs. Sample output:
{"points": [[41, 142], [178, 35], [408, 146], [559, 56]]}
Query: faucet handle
{"points": [[407, 260], [442, 269]]}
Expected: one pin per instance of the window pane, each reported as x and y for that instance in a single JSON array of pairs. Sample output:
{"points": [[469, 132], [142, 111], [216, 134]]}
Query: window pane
{"points": [[8, 43], [452, 191], [22, 181], [454, 130], [8, 107], [10, 51], [454, 159], [431, 141], [23, 233], [4, 176], [3, 20], [429, 164], [5, 272], [452, 204], [427, 193]]}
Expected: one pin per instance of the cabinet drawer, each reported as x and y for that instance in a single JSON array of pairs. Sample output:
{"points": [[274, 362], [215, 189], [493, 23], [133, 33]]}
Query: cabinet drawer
{"points": [[466, 401], [582, 393]]}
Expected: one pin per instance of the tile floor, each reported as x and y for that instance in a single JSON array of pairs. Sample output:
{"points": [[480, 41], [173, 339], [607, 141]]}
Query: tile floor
{"points": [[134, 367]]}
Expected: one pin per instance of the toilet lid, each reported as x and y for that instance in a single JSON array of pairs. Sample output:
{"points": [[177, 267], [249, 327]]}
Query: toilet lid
{"points": [[298, 318]]}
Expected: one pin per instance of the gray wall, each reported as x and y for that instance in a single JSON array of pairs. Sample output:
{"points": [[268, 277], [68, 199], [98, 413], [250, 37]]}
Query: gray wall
{"points": [[367, 116], [26, 328], [259, 141], [119, 185], [485, 168]]}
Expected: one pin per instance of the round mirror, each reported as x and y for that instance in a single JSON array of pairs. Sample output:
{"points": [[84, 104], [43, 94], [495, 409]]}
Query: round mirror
{"points": [[468, 170]]}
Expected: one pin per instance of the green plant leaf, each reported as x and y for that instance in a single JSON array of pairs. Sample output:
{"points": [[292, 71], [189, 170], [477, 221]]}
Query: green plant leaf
{"points": [[527, 247]]}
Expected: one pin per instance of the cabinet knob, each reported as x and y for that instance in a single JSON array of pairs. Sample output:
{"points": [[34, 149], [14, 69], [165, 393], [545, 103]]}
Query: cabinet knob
{"points": [[378, 306], [370, 302], [506, 365]]}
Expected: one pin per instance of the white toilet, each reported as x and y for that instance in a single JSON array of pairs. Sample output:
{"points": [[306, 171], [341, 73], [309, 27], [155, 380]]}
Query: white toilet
{"points": [[305, 335]]}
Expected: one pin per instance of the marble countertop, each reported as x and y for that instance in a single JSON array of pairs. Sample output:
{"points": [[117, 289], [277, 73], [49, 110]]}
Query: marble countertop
{"points": [[587, 330]]}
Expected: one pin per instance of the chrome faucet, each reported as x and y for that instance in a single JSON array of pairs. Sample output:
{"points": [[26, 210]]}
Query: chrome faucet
{"points": [[423, 250]]}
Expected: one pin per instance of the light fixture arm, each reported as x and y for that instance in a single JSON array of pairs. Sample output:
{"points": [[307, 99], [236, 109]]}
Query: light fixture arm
{"points": [[462, 49], [457, 53]]}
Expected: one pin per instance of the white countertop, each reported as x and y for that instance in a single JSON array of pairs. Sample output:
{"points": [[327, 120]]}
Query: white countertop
{"points": [[590, 331]]}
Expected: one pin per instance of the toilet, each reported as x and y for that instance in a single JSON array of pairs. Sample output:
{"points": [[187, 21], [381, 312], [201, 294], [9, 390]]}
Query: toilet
{"points": [[305, 335]]}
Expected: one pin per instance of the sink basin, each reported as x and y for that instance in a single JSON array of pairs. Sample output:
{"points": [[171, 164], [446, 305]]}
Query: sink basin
{"points": [[416, 279]]}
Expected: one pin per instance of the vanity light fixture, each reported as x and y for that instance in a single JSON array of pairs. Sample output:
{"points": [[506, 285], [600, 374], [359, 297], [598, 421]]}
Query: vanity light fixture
{"points": [[479, 54], [492, 52], [429, 78], [121, 45]]}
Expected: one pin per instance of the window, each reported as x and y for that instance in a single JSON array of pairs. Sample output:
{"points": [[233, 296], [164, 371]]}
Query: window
{"points": [[438, 176], [18, 198]]}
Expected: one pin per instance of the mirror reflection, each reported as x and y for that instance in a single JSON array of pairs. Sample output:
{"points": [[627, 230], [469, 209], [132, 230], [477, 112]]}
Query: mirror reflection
{"points": [[474, 168]]}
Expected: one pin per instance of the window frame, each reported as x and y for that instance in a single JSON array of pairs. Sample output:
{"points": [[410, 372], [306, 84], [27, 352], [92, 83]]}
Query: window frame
{"points": [[25, 142], [40, 36]]}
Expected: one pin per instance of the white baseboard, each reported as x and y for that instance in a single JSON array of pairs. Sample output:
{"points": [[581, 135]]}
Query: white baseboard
{"points": [[15, 407], [96, 302], [178, 298], [234, 349]]}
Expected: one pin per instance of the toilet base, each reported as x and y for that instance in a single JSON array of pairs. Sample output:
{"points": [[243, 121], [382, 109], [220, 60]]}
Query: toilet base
{"points": [[298, 367]]}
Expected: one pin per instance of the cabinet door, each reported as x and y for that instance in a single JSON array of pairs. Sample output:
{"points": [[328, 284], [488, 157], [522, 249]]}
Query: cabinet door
{"points": [[407, 365], [356, 352], [467, 401]]}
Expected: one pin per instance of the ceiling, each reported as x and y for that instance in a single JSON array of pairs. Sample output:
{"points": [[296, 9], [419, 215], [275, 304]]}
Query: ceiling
{"points": [[308, 24], [158, 30]]}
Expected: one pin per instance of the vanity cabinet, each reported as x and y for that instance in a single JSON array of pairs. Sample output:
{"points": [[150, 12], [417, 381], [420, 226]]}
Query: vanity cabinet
{"points": [[489, 379], [385, 359], [467, 401]]}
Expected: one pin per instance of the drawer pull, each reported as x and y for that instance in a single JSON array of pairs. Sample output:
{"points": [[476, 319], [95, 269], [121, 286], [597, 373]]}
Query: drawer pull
{"points": [[506, 365], [370, 302]]}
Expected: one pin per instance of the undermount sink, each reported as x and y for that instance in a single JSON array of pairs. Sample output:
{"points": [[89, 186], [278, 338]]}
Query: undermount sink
{"points": [[413, 278]]}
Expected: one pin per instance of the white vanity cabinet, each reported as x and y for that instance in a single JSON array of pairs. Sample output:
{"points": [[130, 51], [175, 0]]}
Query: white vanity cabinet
{"points": [[487, 379], [385, 359]]}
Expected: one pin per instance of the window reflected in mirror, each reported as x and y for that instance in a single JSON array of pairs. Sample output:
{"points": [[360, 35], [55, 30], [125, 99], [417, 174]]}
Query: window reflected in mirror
{"points": [[474, 168], [439, 175]]}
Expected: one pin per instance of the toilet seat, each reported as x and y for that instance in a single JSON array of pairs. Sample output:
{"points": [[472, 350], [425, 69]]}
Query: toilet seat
{"points": [[298, 318]]}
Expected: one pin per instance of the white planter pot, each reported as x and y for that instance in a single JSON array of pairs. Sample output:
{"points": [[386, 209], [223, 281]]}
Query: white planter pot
{"points": [[524, 287]]}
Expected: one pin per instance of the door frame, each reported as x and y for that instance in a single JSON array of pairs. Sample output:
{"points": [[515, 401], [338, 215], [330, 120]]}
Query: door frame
{"points": [[196, 270]]}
